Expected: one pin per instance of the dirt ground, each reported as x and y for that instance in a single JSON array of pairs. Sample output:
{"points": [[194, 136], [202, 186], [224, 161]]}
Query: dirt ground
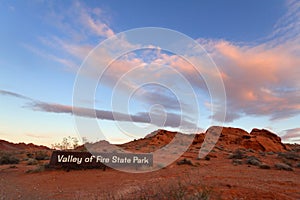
{"points": [[218, 176], [240, 166]]}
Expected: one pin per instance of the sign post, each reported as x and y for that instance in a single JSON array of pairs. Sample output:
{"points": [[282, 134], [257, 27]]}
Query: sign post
{"points": [[86, 160]]}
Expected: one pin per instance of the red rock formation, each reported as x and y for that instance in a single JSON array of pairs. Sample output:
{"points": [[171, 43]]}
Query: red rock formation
{"points": [[8, 146], [259, 140]]}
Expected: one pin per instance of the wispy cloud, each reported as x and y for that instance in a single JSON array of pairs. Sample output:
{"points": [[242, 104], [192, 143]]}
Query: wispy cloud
{"points": [[64, 62], [172, 119], [37, 136], [9, 93], [75, 26], [291, 135]]}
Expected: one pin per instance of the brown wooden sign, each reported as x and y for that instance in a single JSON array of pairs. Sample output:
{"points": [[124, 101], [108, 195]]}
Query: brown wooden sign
{"points": [[68, 159]]}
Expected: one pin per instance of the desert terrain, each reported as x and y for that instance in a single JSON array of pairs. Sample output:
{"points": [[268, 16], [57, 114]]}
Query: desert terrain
{"points": [[242, 165]]}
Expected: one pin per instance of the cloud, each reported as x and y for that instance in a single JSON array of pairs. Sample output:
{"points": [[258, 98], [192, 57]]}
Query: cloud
{"points": [[288, 26], [172, 120], [96, 26], [37, 136], [262, 79], [9, 93], [291, 135], [76, 25], [69, 64]]}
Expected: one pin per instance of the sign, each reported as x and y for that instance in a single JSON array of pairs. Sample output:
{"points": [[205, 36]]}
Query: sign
{"points": [[68, 159]]}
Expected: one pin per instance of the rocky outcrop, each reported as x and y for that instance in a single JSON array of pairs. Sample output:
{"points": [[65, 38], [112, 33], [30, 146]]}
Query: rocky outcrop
{"points": [[259, 140]]}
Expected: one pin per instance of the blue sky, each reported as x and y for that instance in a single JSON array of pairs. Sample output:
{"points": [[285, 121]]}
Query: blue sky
{"points": [[255, 45]]}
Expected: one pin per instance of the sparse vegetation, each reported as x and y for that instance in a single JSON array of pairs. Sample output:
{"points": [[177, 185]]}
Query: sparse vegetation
{"points": [[264, 166], [67, 143], [32, 161], [289, 155], [251, 151], [39, 168], [185, 162], [8, 158], [252, 160], [237, 154], [286, 161], [237, 162], [41, 155], [282, 166], [207, 157], [178, 191]]}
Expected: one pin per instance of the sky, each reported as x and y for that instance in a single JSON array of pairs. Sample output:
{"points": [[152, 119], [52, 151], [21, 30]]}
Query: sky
{"points": [[254, 45]]}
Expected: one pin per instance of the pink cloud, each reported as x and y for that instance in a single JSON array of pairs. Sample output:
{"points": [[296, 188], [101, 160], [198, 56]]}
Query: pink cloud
{"points": [[261, 79], [291, 134]]}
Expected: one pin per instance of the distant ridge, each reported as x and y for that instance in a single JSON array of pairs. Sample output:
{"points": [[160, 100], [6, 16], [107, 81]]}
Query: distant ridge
{"points": [[9, 146], [228, 137]]}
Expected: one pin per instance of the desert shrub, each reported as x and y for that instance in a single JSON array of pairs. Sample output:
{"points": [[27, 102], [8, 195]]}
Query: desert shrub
{"points": [[282, 166], [264, 166], [39, 168], [6, 158], [237, 162], [252, 160], [184, 162], [298, 165], [32, 161], [237, 154], [262, 153], [30, 155], [207, 157], [251, 151], [221, 148], [67, 143], [289, 155], [41, 155], [286, 161], [179, 190]]}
